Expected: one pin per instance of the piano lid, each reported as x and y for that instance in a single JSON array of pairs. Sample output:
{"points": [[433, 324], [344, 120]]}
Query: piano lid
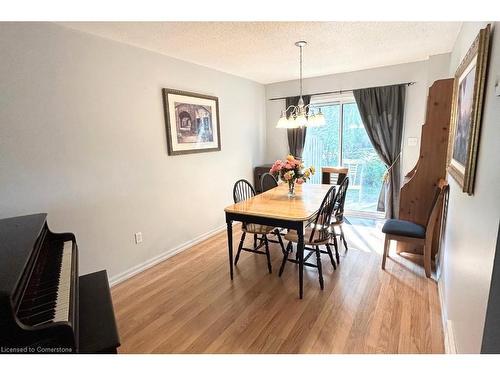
{"points": [[18, 236]]}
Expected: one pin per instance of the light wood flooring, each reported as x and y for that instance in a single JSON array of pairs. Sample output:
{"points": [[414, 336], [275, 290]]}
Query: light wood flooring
{"points": [[188, 304]]}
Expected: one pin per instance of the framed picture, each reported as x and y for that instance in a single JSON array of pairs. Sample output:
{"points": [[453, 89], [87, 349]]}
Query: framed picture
{"points": [[192, 122], [466, 113]]}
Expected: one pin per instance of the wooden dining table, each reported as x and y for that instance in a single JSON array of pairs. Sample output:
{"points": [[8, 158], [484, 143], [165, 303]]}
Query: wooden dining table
{"points": [[275, 208]]}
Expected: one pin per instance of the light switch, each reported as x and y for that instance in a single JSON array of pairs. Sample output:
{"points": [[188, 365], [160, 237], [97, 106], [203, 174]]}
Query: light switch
{"points": [[412, 141]]}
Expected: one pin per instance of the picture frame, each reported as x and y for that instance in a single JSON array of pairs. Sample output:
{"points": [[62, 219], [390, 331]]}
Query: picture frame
{"points": [[191, 121], [468, 95]]}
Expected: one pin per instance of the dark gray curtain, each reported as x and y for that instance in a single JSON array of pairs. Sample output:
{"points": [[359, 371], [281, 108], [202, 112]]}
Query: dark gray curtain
{"points": [[382, 112], [296, 137]]}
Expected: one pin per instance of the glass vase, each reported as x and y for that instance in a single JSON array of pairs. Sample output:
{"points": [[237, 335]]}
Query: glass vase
{"points": [[291, 189]]}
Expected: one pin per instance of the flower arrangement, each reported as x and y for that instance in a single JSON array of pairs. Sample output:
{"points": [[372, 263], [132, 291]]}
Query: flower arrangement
{"points": [[292, 171]]}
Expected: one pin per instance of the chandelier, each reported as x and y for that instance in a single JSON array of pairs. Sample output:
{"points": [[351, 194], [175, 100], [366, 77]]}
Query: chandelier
{"points": [[300, 115]]}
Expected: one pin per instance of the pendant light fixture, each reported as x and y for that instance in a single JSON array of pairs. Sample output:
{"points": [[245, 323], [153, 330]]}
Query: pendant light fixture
{"points": [[300, 115]]}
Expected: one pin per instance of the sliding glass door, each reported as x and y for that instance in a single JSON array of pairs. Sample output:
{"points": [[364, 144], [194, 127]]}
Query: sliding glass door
{"points": [[343, 141], [322, 146]]}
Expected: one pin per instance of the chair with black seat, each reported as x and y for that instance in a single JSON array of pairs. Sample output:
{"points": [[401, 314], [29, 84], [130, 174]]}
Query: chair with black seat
{"points": [[267, 182], [317, 233], [408, 231], [243, 190], [338, 217]]}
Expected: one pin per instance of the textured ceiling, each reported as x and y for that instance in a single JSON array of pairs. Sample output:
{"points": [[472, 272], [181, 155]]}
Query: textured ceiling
{"points": [[265, 51]]}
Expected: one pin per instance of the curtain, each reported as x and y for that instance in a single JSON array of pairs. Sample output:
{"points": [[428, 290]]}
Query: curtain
{"points": [[382, 113], [296, 137]]}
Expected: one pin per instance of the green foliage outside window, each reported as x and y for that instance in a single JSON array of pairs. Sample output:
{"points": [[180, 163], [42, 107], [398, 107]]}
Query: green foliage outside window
{"points": [[322, 148]]}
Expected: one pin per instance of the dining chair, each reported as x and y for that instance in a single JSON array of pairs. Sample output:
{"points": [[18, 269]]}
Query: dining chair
{"points": [[317, 233], [333, 175], [408, 231], [267, 182], [243, 190], [356, 175], [338, 217]]}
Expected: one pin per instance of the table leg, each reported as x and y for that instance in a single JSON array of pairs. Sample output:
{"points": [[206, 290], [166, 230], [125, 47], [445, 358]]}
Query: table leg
{"points": [[230, 245], [300, 254]]}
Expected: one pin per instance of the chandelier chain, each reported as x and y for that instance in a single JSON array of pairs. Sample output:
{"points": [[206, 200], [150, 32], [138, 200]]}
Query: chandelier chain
{"points": [[300, 71]]}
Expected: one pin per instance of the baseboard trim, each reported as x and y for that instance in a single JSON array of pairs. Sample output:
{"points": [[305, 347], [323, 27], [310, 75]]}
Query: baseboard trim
{"points": [[448, 336], [163, 256]]}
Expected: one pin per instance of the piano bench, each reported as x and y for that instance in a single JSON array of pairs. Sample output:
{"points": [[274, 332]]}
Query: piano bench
{"points": [[97, 325]]}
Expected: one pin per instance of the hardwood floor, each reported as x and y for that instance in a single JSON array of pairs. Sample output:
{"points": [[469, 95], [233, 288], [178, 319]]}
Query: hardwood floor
{"points": [[187, 304]]}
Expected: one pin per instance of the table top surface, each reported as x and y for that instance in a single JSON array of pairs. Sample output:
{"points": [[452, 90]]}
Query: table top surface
{"points": [[275, 203]]}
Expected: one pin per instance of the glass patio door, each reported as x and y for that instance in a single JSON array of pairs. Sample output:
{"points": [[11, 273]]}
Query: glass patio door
{"points": [[343, 141]]}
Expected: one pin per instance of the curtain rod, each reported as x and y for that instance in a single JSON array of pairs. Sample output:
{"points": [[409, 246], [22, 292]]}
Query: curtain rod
{"points": [[342, 91]]}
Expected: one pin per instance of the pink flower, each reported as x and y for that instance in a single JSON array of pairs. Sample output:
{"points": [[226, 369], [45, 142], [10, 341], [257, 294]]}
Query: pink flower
{"points": [[300, 181], [278, 164]]}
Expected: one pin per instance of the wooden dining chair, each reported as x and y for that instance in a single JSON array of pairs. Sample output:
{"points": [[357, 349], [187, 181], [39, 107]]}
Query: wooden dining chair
{"points": [[317, 234], [408, 231], [356, 175], [333, 175], [338, 217], [243, 190], [267, 182]]}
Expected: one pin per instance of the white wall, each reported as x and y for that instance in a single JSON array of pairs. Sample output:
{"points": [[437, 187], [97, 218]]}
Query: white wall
{"points": [[424, 73], [82, 137], [471, 229]]}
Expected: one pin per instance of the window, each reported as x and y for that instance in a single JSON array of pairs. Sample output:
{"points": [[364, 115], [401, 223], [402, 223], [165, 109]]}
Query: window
{"points": [[343, 141]]}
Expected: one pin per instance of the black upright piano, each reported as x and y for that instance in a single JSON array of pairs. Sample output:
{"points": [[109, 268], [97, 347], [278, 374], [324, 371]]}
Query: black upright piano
{"points": [[45, 306]]}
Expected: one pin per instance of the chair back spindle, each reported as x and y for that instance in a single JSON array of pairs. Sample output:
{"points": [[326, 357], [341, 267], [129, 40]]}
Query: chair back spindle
{"points": [[320, 225], [242, 190], [338, 210]]}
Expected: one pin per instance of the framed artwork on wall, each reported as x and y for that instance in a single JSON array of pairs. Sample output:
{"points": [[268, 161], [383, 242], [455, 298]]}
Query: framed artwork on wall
{"points": [[192, 122], [468, 96]]}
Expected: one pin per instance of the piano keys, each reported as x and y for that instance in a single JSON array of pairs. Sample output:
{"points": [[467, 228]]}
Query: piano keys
{"points": [[47, 297], [40, 293]]}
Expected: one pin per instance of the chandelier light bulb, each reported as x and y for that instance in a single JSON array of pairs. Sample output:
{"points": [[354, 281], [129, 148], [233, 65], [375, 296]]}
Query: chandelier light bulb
{"points": [[283, 122], [320, 118], [311, 120], [301, 120]]}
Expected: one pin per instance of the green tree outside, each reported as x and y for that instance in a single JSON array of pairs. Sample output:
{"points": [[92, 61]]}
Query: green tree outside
{"points": [[366, 170]]}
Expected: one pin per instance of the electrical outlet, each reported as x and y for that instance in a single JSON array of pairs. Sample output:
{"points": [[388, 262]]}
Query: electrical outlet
{"points": [[412, 141], [138, 237]]}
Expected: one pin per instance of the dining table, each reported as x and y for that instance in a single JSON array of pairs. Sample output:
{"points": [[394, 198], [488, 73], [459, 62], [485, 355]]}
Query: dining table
{"points": [[275, 208]]}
